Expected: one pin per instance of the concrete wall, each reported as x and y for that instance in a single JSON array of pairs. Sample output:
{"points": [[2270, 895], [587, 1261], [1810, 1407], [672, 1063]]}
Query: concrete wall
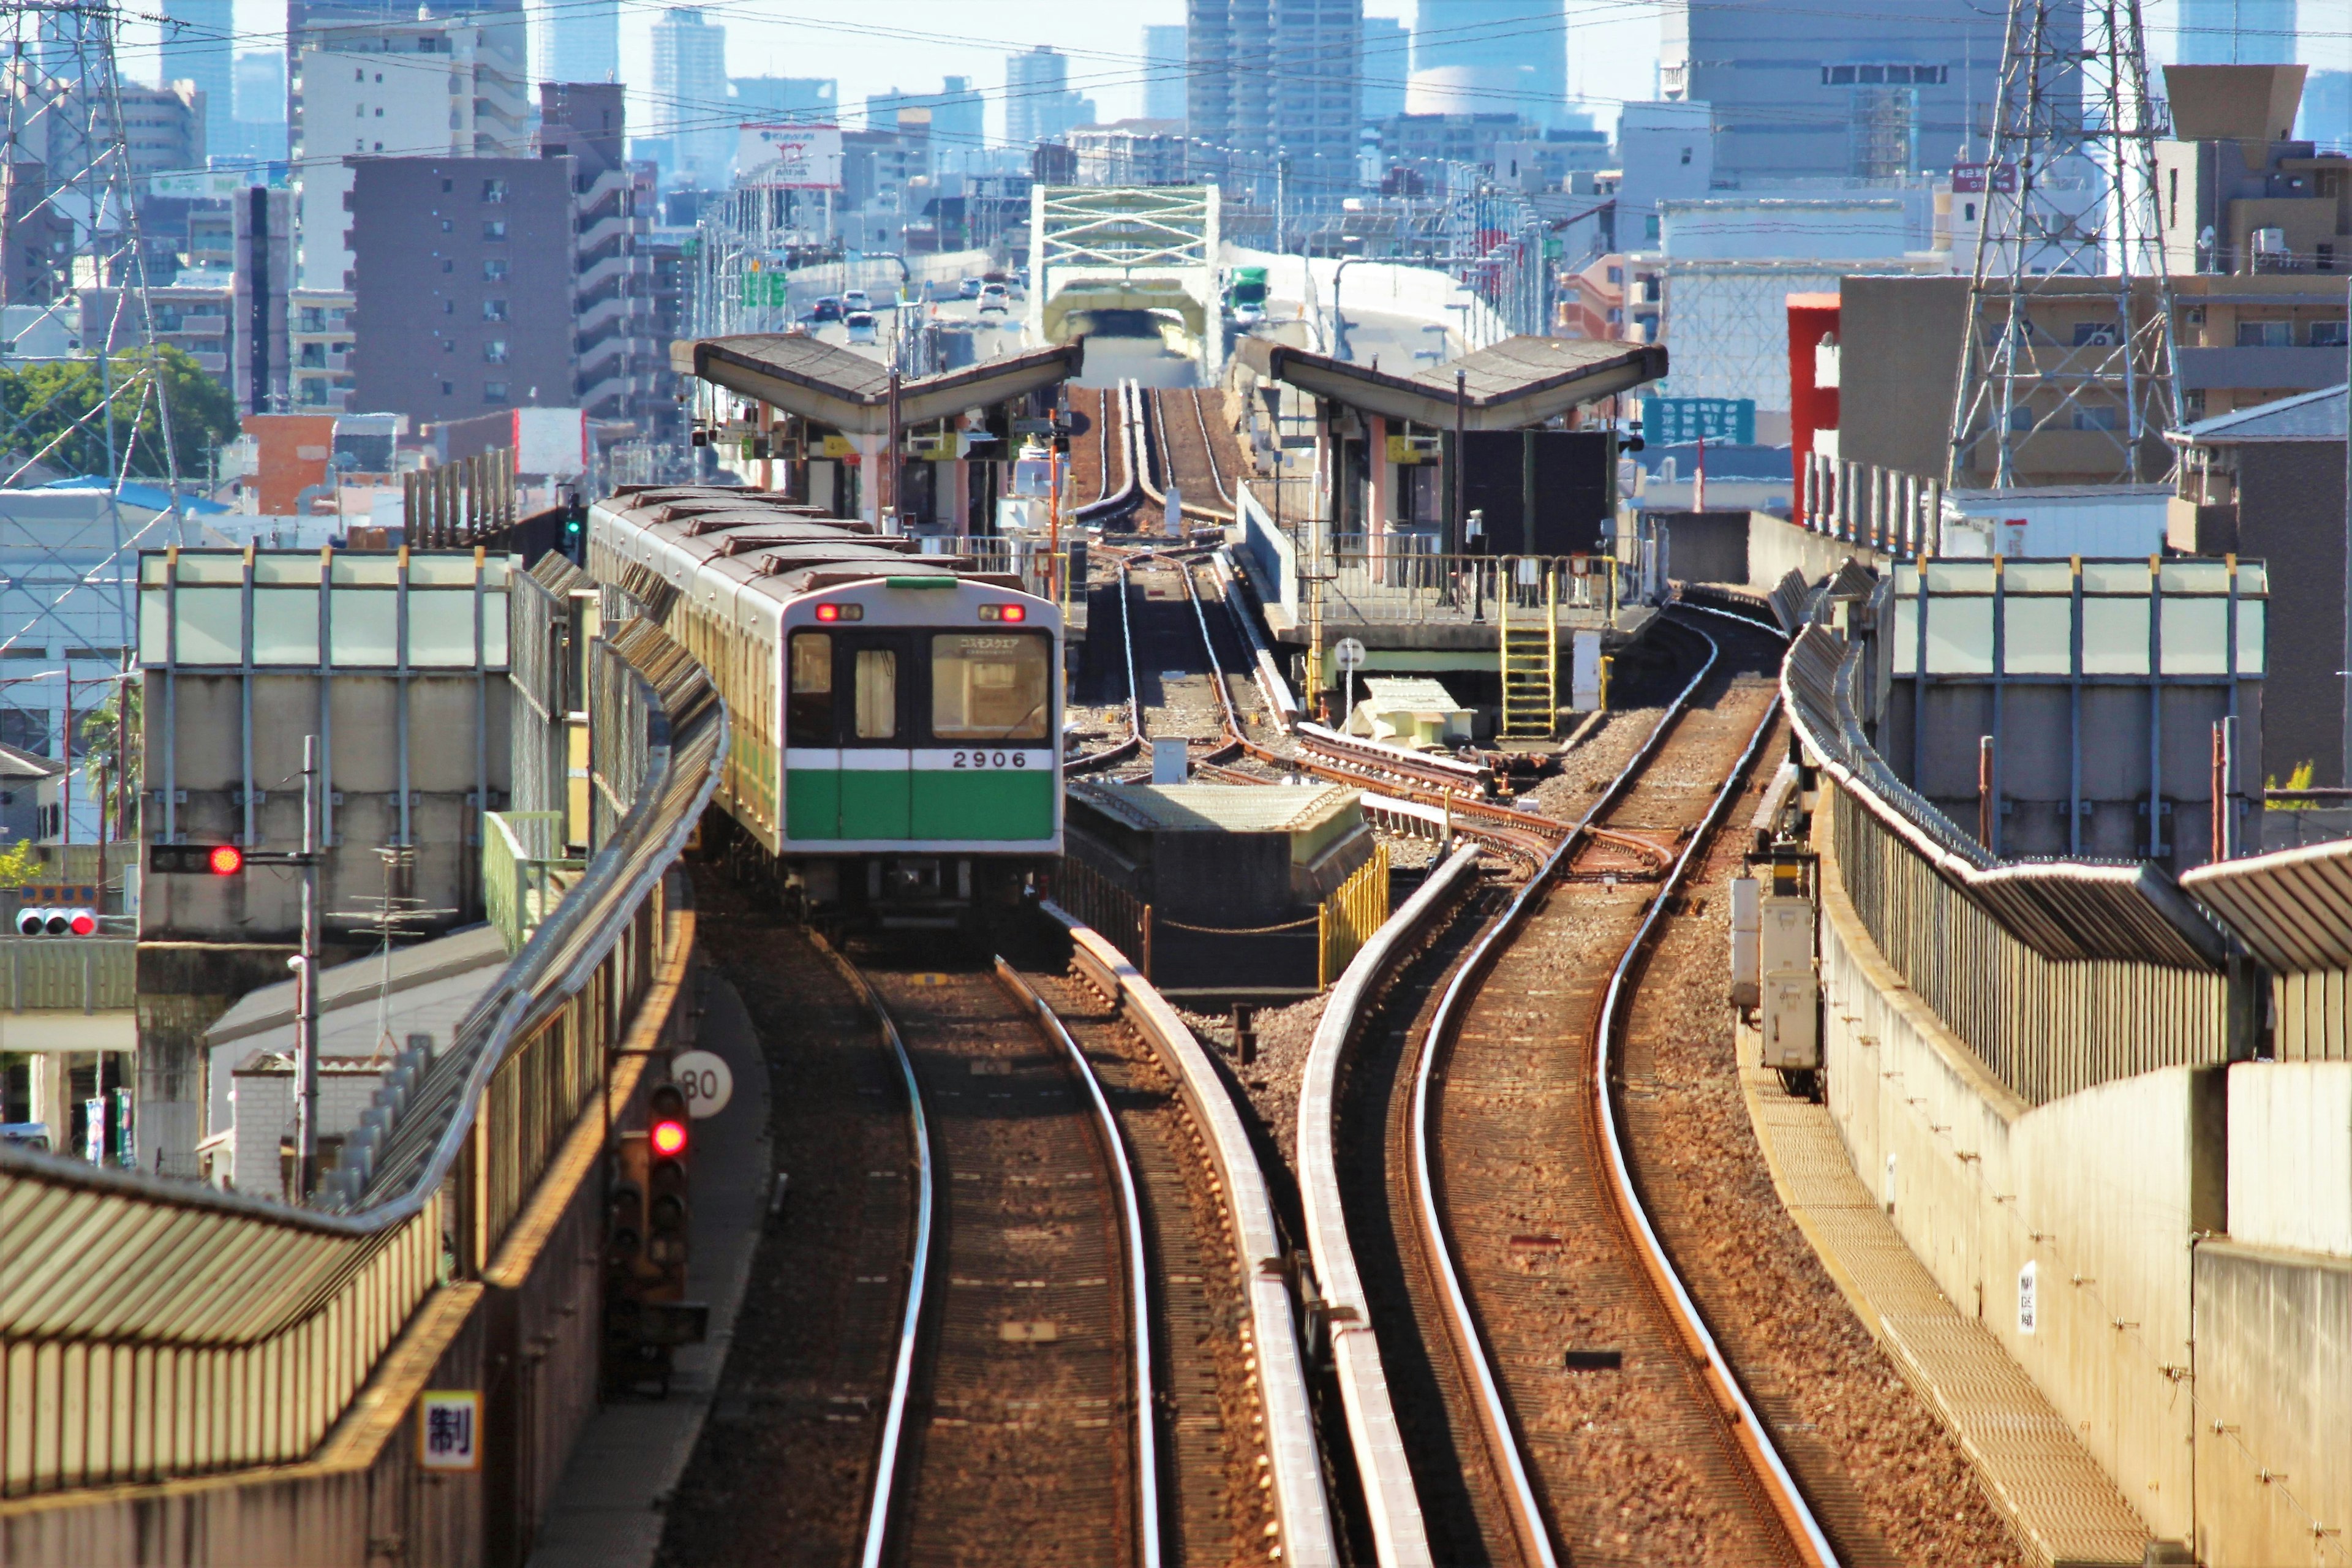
{"points": [[1777, 547], [2100, 1191], [2191, 1233], [2274, 1374], [2291, 1155]]}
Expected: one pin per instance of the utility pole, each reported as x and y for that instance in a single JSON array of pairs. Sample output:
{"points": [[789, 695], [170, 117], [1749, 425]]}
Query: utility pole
{"points": [[306, 988]]}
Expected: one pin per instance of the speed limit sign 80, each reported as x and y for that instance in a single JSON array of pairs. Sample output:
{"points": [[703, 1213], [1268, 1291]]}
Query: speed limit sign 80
{"points": [[705, 1080]]}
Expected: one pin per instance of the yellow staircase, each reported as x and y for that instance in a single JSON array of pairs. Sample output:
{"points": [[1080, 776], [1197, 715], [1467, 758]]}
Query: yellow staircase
{"points": [[1528, 605]]}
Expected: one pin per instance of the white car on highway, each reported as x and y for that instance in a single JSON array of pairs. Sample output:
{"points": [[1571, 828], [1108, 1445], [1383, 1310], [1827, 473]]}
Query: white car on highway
{"points": [[860, 326], [995, 298]]}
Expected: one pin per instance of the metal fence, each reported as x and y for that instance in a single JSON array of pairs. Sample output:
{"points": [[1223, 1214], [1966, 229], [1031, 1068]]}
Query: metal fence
{"points": [[1124, 919], [153, 1328], [1347, 919], [1403, 579], [2059, 977], [2045, 1027], [524, 870]]}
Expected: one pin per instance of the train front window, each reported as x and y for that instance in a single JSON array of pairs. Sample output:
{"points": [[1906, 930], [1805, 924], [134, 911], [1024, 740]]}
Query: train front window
{"points": [[991, 686], [808, 718], [877, 693]]}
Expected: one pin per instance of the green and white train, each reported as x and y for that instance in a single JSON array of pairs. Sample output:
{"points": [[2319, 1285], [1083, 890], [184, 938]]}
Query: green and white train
{"points": [[897, 716]]}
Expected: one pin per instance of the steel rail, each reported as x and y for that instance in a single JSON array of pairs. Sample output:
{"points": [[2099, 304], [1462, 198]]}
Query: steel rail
{"points": [[1748, 1430], [1157, 398], [902, 1375], [1209, 446], [1112, 502], [1115, 1152], [1236, 738], [1134, 741], [1527, 1511]]}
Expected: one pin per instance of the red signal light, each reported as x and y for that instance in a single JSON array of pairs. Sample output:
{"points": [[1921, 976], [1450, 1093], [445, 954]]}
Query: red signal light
{"points": [[83, 923], [668, 1139], [226, 860]]}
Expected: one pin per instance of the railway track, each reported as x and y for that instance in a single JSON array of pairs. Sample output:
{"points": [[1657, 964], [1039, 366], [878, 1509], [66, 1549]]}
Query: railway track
{"points": [[1021, 1421], [1177, 421], [1561, 1397]]}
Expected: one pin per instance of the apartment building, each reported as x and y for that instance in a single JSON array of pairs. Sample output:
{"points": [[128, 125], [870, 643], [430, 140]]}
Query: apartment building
{"points": [[2240, 195], [452, 86], [1273, 98], [318, 343], [1130, 153]]}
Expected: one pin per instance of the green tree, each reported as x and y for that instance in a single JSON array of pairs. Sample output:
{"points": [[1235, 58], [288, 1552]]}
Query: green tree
{"points": [[121, 714], [54, 401]]}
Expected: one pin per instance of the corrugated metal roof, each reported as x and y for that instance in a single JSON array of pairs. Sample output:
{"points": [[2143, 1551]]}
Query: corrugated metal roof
{"points": [[2292, 909], [2062, 910], [2312, 417]]}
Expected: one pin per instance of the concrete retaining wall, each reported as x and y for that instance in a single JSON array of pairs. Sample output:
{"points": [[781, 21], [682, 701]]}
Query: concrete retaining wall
{"points": [[2188, 1320], [2274, 1395], [1777, 547]]}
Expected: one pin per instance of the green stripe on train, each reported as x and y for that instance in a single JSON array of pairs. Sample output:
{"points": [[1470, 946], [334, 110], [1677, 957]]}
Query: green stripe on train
{"points": [[994, 804]]}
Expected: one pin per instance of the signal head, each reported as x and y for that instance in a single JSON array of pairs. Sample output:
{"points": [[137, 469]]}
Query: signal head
{"points": [[224, 861], [32, 923], [82, 922], [669, 1138]]}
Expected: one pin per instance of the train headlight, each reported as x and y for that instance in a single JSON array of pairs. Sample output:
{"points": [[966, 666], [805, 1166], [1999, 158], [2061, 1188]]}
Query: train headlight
{"points": [[829, 614], [1005, 612]]}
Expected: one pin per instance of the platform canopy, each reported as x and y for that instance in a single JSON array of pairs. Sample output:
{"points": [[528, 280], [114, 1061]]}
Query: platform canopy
{"points": [[1517, 382], [850, 392]]}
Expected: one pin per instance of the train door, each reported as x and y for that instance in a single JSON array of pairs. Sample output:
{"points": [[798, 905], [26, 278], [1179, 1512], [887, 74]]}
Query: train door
{"points": [[875, 707]]}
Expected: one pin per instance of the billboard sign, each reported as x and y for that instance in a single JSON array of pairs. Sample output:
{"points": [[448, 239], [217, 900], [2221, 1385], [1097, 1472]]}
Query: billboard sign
{"points": [[789, 157], [551, 441]]}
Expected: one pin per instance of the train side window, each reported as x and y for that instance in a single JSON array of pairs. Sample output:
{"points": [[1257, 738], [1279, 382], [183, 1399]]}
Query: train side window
{"points": [[876, 696], [809, 721]]}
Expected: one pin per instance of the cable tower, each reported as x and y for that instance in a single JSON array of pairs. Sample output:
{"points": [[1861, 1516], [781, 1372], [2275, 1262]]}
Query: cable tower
{"points": [[73, 278], [2067, 367]]}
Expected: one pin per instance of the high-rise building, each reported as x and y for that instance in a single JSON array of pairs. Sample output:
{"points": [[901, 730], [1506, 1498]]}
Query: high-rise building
{"points": [[1272, 99], [690, 105], [449, 321], [1163, 72], [1387, 56], [581, 40], [1840, 89], [955, 116], [398, 89], [199, 44], [1468, 60], [815, 100], [2234, 32], [1038, 103], [2327, 111], [257, 126]]}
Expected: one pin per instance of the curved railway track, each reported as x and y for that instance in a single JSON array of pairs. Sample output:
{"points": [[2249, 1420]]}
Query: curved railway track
{"points": [[1562, 1397], [1187, 457], [1021, 1422]]}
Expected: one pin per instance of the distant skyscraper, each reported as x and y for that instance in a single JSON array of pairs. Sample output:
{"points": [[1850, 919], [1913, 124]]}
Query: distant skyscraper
{"points": [[582, 40], [1468, 60], [1387, 56], [1163, 64], [689, 96], [2234, 32], [2327, 109], [1270, 85], [1840, 89], [808, 98], [1038, 103], [199, 43], [258, 118]]}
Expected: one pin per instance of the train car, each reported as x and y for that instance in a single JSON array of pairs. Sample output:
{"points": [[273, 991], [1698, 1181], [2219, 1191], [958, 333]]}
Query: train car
{"points": [[896, 715]]}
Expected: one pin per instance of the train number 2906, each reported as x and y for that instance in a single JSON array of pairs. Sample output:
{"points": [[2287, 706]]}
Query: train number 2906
{"points": [[990, 760]]}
